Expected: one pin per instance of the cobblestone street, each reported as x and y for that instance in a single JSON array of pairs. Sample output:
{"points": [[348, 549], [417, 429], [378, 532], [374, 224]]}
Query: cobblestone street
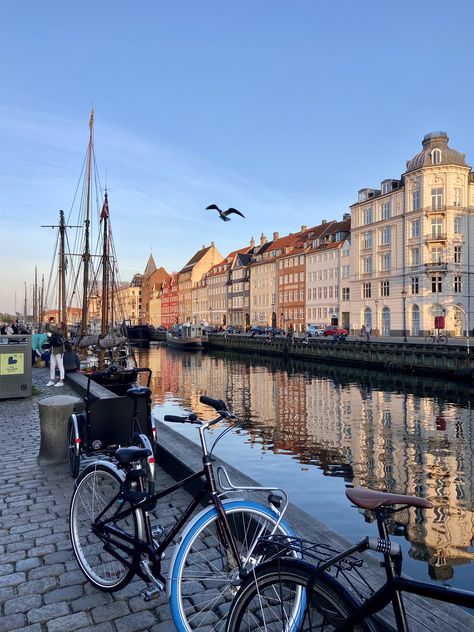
{"points": [[41, 586]]}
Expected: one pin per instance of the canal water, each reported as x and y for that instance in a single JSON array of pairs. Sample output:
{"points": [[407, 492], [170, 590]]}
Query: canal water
{"points": [[312, 429]]}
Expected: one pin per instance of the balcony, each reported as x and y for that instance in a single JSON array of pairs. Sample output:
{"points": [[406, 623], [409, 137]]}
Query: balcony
{"points": [[436, 266], [429, 210], [436, 237]]}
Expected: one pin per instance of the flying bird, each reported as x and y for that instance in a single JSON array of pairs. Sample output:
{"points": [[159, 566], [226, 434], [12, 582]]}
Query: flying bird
{"points": [[224, 214]]}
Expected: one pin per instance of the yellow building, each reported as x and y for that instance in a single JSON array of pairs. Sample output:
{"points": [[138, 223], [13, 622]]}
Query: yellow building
{"points": [[193, 272]]}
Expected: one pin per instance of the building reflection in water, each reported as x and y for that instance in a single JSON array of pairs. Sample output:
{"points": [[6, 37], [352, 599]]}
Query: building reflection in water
{"points": [[395, 433]]}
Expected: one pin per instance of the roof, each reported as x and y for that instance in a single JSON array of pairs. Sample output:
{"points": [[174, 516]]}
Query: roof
{"points": [[436, 140], [150, 267], [197, 257]]}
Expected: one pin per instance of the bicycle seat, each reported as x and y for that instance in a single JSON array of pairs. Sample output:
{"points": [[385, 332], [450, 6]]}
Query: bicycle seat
{"points": [[138, 391], [129, 455], [373, 499]]}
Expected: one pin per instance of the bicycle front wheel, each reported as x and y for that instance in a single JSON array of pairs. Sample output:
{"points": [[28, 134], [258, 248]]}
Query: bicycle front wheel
{"points": [[443, 340], [430, 340], [204, 577], [107, 567], [275, 598]]}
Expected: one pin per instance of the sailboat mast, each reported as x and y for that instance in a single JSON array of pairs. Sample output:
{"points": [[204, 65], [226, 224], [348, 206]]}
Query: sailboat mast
{"points": [[87, 255], [35, 299], [104, 216], [62, 274], [25, 309]]}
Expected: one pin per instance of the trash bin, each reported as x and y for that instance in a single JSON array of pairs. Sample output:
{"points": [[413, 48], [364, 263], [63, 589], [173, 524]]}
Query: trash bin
{"points": [[15, 366]]}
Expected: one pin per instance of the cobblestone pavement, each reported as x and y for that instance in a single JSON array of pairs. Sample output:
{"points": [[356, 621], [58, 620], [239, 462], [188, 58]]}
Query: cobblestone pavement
{"points": [[41, 586]]}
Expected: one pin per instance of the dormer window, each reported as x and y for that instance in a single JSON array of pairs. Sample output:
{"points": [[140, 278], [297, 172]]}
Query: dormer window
{"points": [[436, 157]]}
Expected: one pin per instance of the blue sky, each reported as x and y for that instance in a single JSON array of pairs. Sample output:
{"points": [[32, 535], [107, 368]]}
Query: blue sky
{"points": [[281, 109]]}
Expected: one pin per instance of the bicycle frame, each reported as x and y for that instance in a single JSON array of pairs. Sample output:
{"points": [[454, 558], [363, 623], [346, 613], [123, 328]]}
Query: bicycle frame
{"points": [[395, 585], [117, 539]]}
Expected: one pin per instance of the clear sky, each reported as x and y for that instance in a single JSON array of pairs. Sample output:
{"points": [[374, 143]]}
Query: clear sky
{"points": [[282, 109]]}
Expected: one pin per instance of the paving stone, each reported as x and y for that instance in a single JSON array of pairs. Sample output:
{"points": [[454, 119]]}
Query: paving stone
{"points": [[47, 570], [67, 594], [109, 612], [77, 621], [22, 604], [46, 613], [135, 622], [11, 622]]}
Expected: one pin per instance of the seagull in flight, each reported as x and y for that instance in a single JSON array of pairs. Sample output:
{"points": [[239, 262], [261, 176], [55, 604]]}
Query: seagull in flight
{"points": [[224, 214]]}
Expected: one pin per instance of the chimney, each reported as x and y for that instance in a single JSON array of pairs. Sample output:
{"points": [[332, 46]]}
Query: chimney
{"points": [[346, 216], [203, 246], [212, 243], [276, 236], [324, 221], [252, 243], [303, 228], [263, 239]]}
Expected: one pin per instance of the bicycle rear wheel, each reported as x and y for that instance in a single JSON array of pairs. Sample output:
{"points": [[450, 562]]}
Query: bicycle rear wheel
{"points": [[271, 595], [204, 577], [430, 340], [105, 566], [443, 340]]}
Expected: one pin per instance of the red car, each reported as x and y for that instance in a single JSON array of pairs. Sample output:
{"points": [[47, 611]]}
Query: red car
{"points": [[330, 331]]}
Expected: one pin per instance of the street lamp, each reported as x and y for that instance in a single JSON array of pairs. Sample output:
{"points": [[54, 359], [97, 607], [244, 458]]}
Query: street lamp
{"points": [[404, 299]]}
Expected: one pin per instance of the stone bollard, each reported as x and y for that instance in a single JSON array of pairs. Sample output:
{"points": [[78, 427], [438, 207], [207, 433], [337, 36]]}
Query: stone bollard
{"points": [[54, 413]]}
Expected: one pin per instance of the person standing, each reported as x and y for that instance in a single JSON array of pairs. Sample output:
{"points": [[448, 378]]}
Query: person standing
{"points": [[56, 359], [367, 332]]}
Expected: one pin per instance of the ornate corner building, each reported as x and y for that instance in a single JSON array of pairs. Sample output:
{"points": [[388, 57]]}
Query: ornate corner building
{"points": [[411, 243]]}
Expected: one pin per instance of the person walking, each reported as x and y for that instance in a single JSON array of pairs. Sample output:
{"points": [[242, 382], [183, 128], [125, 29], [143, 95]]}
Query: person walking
{"points": [[367, 332]]}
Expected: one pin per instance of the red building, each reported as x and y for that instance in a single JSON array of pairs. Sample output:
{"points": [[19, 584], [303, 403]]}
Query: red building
{"points": [[170, 301]]}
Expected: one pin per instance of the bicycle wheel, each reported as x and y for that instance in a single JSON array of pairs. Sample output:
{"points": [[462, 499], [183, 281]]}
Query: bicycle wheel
{"points": [[270, 596], [203, 576], [74, 457], [107, 569], [430, 340], [443, 340]]}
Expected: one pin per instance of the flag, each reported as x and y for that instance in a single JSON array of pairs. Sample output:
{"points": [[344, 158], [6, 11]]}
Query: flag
{"points": [[91, 121], [105, 209]]}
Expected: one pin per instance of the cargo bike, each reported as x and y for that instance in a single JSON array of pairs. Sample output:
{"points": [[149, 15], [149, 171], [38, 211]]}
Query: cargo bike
{"points": [[110, 423]]}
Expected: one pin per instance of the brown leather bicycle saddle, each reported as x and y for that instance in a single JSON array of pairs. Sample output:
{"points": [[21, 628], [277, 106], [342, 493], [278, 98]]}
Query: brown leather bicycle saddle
{"points": [[373, 499]]}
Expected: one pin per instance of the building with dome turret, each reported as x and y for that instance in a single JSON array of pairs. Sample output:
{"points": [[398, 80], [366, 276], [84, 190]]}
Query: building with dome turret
{"points": [[412, 246]]}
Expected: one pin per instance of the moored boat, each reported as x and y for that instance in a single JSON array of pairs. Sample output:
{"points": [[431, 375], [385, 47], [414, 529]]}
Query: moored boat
{"points": [[186, 336]]}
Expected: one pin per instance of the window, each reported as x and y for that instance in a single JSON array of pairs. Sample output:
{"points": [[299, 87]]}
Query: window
{"points": [[415, 286], [346, 248], [385, 262], [345, 272], [366, 240], [366, 290], [457, 284], [458, 225], [367, 265], [436, 199], [346, 294], [415, 258], [385, 235], [457, 254], [416, 199], [457, 196], [436, 254], [368, 216], [385, 288], [436, 284], [436, 226], [436, 157], [386, 210], [415, 227]]}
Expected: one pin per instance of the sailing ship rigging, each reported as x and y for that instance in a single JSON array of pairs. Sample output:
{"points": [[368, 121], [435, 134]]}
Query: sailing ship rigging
{"points": [[87, 278]]}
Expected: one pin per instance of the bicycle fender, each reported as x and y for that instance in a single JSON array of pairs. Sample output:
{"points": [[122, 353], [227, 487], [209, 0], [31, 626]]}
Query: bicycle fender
{"points": [[206, 514]]}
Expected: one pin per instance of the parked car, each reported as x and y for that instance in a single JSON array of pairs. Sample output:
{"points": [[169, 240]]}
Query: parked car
{"points": [[315, 330], [330, 331]]}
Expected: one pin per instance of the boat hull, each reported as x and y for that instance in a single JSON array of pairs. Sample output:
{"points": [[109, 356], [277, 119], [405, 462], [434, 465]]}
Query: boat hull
{"points": [[191, 344], [139, 336]]}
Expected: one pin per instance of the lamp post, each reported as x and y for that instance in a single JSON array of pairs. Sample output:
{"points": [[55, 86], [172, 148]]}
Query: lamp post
{"points": [[404, 299]]}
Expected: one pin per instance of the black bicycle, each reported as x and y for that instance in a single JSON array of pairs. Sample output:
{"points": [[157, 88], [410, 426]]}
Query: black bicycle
{"points": [[113, 537], [326, 590]]}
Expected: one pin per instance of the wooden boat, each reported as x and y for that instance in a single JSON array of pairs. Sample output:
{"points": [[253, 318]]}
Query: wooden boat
{"points": [[186, 336]]}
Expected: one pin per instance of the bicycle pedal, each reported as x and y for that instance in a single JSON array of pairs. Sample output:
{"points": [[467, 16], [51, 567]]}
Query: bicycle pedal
{"points": [[147, 594]]}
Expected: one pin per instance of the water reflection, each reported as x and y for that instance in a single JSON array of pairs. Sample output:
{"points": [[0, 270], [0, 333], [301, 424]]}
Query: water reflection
{"points": [[399, 433]]}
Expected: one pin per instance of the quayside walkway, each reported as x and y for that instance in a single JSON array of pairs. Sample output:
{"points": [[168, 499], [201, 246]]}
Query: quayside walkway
{"points": [[41, 587]]}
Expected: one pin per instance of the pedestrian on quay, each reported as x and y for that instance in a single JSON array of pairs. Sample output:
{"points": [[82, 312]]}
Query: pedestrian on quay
{"points": [[368, 331], [37, 342], [57, 351]]}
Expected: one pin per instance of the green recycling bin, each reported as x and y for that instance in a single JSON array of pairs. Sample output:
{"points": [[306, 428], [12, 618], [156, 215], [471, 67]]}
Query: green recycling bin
{"points": [[15, 366]]}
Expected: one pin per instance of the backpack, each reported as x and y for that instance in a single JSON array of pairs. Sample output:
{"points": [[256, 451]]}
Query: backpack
{"points": [[56, 340]]}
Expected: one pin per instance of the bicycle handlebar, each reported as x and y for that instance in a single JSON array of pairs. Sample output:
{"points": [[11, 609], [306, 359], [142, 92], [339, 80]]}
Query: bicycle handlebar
{"points": [[218, 404]]}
